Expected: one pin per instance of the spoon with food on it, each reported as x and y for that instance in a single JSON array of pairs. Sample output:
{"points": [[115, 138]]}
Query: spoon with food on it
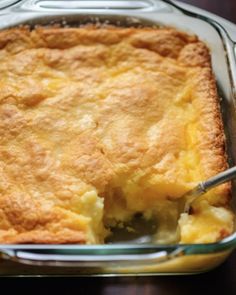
{"points": [[142, 231]]}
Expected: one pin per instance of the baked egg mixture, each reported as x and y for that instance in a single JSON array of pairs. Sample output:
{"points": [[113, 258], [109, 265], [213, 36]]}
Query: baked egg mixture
{"points": [[101, 125]]}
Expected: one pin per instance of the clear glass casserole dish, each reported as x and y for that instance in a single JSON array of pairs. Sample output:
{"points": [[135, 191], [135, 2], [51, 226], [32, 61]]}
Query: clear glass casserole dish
{"points": [[128, 259]]}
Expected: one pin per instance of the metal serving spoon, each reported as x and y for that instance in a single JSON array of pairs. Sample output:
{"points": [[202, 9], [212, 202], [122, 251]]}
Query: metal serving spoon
{"points": [[204, 186]]}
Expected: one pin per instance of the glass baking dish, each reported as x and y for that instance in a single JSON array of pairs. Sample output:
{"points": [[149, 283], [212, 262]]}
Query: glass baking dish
{"points": [[128, 259]]}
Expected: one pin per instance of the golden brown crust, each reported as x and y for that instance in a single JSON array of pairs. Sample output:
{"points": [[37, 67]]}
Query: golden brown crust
{"points": [[212, 145], [44, 237], [122, 112]]}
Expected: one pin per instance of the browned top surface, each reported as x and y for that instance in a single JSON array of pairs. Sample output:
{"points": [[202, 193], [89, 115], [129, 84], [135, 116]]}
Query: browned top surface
{"points": [[98, 109]]}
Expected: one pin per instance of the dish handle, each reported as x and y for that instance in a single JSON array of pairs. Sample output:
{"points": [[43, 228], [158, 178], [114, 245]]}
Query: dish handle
{"points": [[129, 256], [93, 5], [55, 258], [115, 256]]}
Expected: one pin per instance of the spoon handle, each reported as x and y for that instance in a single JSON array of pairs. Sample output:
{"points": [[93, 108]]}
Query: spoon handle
{"points": [[218, 179], [206, 185]]}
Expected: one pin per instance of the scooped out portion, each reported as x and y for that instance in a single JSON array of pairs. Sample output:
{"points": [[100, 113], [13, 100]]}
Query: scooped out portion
{"points": [[99, 125]]}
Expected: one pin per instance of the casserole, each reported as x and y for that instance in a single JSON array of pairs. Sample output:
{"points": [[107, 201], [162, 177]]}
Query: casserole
{"points": [[102, 259], [79, 162]]}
